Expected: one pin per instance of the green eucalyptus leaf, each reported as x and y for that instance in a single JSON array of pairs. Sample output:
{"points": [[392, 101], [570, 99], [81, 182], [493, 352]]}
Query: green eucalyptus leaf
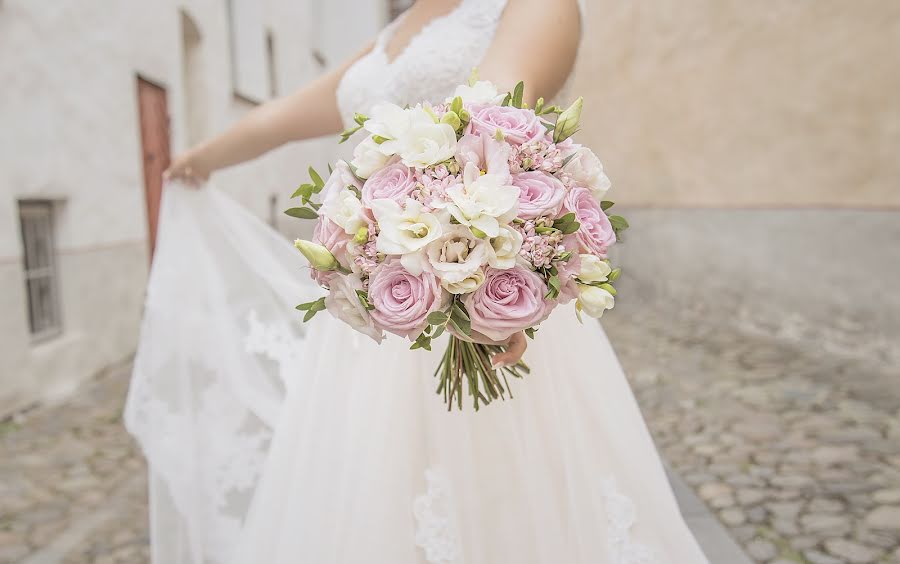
{"points": [[302, 213], [437, 318], [606, 204]]}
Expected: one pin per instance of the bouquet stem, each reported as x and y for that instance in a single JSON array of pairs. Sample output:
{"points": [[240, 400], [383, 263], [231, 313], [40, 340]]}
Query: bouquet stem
{"points": [[468, 365]]}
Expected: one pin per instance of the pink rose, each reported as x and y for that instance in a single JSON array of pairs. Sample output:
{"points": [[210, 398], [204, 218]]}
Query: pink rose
{"points": [[596, 234], [517, 125], [331, 236], [509, 301], [403, 301], [540, 194], [393, 182]]}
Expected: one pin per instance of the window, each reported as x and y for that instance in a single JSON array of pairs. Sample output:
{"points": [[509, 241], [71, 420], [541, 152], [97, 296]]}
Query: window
{"points": [[36, 218], [397, 7], [248, 51], [271, 63], [273, 211]]}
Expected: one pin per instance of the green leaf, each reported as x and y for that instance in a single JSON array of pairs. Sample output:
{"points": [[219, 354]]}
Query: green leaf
{"points": [[618, 223], [568, 218], [554, 286], [615, 274], [305, 190], [302, 213], [348, 133], [567, 159], [437, 318], [456, 105], [539, 106], [567, 123], [606, 204], [438, 332], [530, 332], [518, 94], [364, 299], [459, 318], [506, 99], [317, 180], [570, 228]]}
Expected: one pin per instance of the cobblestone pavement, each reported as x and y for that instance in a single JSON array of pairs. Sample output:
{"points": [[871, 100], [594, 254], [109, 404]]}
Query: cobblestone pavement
{"points": [[795, 448], [72, 482]]}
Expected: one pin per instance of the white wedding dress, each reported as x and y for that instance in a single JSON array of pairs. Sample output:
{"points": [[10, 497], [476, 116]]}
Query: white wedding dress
{"points": [[272, 442]]}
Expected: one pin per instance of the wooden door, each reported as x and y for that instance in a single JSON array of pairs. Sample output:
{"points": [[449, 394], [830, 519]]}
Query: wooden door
{"points": [[154, 115]]}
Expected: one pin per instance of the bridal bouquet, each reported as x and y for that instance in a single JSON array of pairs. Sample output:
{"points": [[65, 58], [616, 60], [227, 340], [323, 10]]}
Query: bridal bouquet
{"points": [[475, 217]]}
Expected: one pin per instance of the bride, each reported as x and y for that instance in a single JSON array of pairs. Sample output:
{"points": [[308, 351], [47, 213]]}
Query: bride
{"points": [[271, 442]]}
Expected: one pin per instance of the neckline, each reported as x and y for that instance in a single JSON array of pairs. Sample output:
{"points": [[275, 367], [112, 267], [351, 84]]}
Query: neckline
{"points": [[388, 33]]}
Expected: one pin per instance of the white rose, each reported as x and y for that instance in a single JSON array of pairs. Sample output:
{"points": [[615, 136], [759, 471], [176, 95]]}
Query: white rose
{"points": [[594, 301], [345, 209], [457, 255], [368, 158], [483, 201], [343, 303], [427, 144], [482, 92], [586, 169], [593, 269], [467, 285], [503, 250], [405, 231]]}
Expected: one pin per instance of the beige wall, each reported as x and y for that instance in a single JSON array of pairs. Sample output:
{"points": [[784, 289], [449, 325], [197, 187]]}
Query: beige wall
{"points": [[736, 103], [69, 132]]}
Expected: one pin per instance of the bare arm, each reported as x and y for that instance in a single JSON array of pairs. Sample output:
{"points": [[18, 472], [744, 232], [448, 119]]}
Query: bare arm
{"points": [[544, 59], [309, 112]]}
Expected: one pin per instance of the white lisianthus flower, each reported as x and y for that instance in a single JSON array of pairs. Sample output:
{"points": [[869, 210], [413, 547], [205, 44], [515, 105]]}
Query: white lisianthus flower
{"points": [[587, 170], [503, 250], [593, 269], [405, 232], [594, 301], [482, 92], [427, 144], [368, 158], [483, 201], [456, 255], [343, 303], [344, 208], [467, 285]]}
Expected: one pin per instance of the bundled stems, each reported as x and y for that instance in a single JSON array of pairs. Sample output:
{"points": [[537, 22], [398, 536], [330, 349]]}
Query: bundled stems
{"points": [[468, 365]]}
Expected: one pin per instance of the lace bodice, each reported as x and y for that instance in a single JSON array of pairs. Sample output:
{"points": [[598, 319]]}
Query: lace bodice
{"points": [[437, 59]]}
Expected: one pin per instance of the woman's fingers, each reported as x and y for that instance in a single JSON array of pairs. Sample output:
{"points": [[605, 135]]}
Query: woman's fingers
{"points": [[513, 353]]}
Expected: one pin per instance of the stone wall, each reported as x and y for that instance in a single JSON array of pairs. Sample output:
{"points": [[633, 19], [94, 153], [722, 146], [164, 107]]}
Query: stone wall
{"points": [[70, 133]]}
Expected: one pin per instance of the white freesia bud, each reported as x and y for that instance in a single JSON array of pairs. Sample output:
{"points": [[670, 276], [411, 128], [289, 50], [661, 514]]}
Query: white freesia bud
{"points": [[593, 269], [567, 123], [594, 301], [318, 256]]}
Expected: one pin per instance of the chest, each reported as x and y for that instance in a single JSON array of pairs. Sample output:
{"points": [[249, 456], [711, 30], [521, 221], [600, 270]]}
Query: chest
{"points": [[437, 58]]}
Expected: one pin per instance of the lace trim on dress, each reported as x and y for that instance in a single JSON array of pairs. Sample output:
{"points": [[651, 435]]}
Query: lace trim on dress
{"points": [[435, 532], [621, 516]]}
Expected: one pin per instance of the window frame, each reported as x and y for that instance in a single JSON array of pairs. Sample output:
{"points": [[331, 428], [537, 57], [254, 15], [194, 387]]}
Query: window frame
{"points": [[44, 320]]}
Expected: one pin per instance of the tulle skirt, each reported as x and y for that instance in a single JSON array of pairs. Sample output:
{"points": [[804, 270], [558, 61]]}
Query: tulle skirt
{"points": [[349, 456]]}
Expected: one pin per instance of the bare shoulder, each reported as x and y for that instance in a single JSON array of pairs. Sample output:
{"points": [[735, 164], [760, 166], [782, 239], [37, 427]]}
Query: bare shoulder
{"points": [[536, 41]]}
